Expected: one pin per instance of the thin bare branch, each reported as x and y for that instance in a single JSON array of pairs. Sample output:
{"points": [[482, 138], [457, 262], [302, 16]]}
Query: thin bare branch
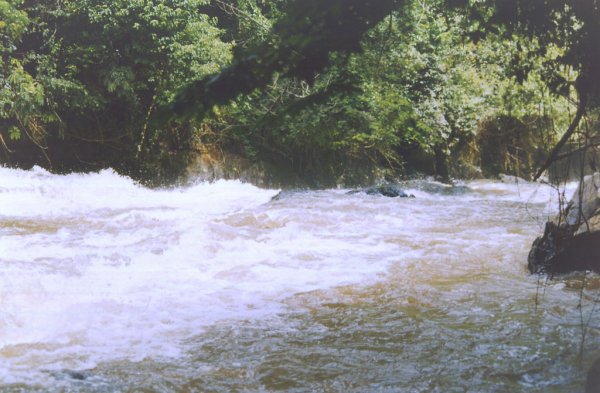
{"points": [[556, 150]]}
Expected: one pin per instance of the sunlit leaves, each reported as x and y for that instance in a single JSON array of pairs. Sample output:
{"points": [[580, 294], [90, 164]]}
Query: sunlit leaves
{"points": [[13, 21], [21, 98], [572, 25], [91, 72]]}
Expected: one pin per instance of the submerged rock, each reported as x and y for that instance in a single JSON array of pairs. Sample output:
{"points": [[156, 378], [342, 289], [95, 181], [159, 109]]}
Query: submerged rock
{"points": [[66, 374], [439, 188], [592, 384], [283, 194], [573, 242], [387, 190], [76, 375]]}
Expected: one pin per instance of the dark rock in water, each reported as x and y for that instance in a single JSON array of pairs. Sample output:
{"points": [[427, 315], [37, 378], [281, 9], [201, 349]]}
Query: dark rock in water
{"points": [[430, 187], [573, 243], [433, 187], [75, 375], [592, 384], [387, 190], [544, 249], [390, 191], [280, 195], [560, 251], [70, 374], [285, 194]]}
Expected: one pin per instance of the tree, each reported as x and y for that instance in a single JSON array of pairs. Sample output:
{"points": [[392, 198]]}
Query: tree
{"points": [[85, 77], [573, 25], [299, 47]]}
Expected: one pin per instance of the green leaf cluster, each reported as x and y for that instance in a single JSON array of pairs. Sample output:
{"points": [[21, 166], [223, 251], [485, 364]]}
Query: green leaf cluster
{"points": [[92, 72], [314, 87], [417, 85]]}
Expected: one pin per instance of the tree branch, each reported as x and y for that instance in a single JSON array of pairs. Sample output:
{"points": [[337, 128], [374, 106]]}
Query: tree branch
{"points": [[554, 154]]}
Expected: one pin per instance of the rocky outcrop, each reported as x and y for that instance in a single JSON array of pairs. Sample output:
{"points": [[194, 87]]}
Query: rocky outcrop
{"points": [[571, 242]]}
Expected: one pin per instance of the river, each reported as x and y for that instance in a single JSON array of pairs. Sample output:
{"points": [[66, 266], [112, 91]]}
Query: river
{"points": [[106, 286]]}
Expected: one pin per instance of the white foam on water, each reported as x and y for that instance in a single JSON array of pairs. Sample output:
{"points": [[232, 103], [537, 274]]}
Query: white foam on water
{"points": [[95, 268]]}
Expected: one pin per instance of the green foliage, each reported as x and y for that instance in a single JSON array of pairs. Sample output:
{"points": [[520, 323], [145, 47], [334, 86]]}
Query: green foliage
{"points": [[21, 99], [298, 47], [19, 95], [508, 144], [571, 25], [13, 22], [92, 72], [417, 84], [317, 88]]}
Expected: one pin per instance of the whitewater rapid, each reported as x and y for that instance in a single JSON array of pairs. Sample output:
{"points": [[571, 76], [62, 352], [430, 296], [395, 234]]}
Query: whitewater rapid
{"points": [[101, 278]]}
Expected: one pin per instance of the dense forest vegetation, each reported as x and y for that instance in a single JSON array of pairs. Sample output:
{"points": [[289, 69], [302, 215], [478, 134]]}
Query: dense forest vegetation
{"points": [[321, 93]]}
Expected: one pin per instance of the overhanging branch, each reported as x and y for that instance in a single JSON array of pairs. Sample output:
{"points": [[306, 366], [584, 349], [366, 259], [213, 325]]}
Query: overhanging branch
{"points": [[554, 154]]}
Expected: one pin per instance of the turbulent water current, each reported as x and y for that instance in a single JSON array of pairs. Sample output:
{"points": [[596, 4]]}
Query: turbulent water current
{"points": [[106, 286]]}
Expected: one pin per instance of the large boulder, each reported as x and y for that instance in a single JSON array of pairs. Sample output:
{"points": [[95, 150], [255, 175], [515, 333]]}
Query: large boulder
{"points": [[571, 242]]}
